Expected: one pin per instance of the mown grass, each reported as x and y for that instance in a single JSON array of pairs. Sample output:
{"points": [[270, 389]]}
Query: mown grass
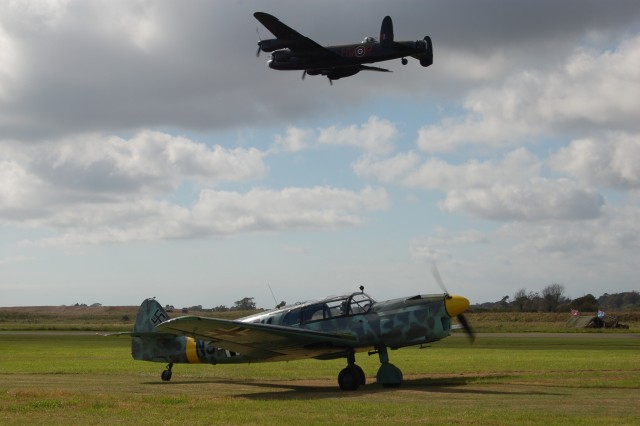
{"points": [[517, 379], [122, 318], [84, 318]]}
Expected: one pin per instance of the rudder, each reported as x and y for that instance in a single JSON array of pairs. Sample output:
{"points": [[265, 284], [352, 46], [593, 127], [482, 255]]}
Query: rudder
{"points": [[150, 314], [386, 31]]}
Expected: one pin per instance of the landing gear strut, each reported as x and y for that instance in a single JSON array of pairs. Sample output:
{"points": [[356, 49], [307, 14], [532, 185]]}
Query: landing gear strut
{"points": [[388, 375], [166, 374], [352, 376]]}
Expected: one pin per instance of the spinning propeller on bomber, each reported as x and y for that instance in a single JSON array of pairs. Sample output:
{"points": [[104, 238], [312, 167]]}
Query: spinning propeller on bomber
{"points": [[291, 50]]}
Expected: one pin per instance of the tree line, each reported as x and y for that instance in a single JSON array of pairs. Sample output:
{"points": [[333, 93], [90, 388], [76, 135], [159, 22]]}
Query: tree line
{"points": [[552, 298]]}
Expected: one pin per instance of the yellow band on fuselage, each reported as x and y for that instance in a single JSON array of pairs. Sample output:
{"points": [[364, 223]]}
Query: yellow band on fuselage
{"points": [[191, 352]]}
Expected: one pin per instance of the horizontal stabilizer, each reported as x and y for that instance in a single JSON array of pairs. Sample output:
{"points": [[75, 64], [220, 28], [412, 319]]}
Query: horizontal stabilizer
{"points": [[368, 68]]}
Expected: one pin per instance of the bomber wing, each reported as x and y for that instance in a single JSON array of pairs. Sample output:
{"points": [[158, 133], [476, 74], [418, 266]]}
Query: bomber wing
{"points": [[297, 41], [259, 341]]}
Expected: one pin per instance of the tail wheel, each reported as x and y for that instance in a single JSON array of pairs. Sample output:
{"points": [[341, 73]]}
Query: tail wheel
{"points": [[166, 374]]}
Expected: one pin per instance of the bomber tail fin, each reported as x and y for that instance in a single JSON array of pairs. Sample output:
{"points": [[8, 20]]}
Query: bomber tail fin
{"points": [[386, 31]]}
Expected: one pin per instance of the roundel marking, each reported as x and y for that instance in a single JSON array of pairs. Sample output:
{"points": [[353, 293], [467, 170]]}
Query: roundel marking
{"points": [[360, 51]]}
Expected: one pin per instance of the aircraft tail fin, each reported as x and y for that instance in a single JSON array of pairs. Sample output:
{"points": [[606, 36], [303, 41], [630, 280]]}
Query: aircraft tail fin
{"points": [[386, 31], [150, 314]]}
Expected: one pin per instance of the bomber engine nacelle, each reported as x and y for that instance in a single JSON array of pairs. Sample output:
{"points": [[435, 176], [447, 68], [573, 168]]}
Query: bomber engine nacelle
{"points": [[283, 55], [272, 44], [427, 58]]}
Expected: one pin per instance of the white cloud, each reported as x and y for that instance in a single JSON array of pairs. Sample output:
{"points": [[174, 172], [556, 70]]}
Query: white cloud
{"points": [[387, 170], [375, 137], [437, 247], [149, 162], [612, 161], [216, 213], [540, 199], [517, 167], [290, 208], [592, 89], [49, 181], [295, 140], [611, 238], [98, 189]]}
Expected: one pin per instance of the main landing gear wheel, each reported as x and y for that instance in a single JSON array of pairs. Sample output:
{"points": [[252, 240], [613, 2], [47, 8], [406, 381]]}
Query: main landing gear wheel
{"points": [[388, 375], [404, 61], [166, 374], [351, 378]]}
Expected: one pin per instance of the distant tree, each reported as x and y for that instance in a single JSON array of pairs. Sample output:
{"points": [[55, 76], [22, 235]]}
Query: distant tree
{"points": [[630, 299], [620, 301], [244, 304], [504, 302], [586, 303], [520, 299], [220, 308], [553, 295]]}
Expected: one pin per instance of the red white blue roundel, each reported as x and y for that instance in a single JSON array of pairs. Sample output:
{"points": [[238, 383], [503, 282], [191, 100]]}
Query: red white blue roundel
{"points": [[360, 51]]}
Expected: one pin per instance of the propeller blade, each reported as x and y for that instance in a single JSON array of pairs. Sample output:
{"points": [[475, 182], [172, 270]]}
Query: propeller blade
{"points": [[304, 74], [452, 304], [466, 327], [259, 41], [438, 278]]}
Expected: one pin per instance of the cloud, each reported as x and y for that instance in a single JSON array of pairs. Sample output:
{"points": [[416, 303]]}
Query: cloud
{"points": [[99, 189], [375, 137], [517, 167], [593, 89], [295, 140], [612, 238], [72, 67], [612, 161], [215, 214], [96, 166], [436, 247], [540, 199]]}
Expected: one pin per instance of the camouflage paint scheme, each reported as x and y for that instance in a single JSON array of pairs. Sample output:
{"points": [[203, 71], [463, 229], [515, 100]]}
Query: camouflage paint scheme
{"points": [[335, 327], [293, 51]]}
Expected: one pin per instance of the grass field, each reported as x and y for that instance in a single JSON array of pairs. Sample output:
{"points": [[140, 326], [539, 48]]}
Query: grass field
{"points": [[121, 318], [502, 379]]}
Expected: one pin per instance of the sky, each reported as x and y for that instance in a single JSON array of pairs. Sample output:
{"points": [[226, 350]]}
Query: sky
{"points": [[146, 152]]}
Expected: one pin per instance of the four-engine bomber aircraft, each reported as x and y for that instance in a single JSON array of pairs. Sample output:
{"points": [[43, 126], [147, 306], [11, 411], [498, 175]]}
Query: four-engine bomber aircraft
{"points": [[293, 51], [331, 328]]}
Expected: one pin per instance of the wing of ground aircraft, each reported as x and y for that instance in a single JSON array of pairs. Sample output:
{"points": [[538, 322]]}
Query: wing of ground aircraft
{"points": [[259, 341], [290, 37]]}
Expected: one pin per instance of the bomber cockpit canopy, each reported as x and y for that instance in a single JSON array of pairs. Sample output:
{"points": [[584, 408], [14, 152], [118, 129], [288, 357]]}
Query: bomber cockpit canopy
{"points": [[369, 39]]}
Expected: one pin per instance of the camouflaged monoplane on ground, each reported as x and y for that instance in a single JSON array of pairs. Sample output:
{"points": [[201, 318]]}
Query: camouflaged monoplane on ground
{"points": [[334, 327]]}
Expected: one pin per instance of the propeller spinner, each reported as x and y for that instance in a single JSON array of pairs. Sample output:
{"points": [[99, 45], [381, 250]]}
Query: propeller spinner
{"points": [[455, 305]]}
